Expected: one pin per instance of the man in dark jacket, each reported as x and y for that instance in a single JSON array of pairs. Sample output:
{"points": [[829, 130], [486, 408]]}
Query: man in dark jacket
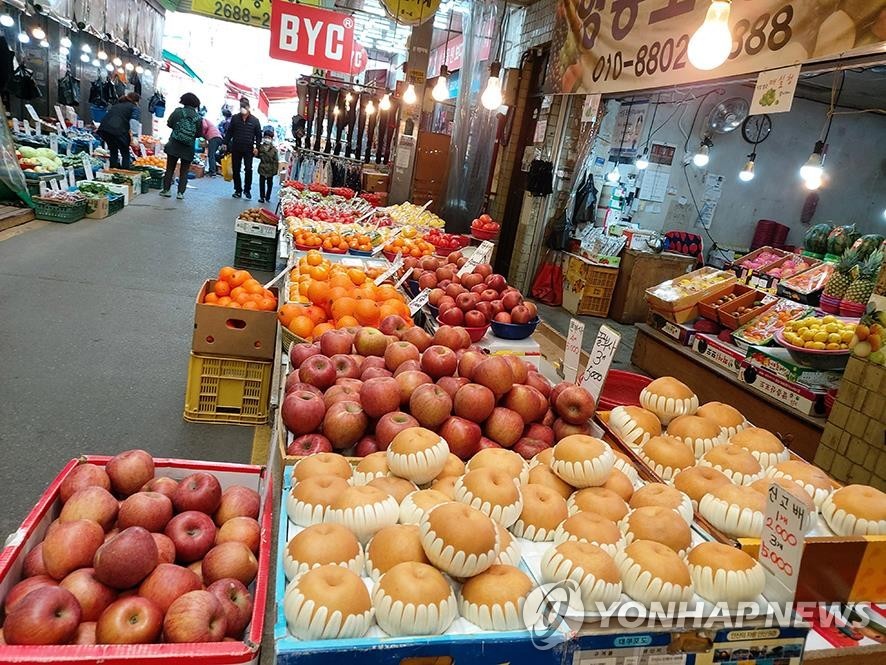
{"points": [[242, 139], [119, 128]]}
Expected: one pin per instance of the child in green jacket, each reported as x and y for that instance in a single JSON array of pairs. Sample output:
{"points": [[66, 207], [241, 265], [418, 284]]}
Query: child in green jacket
{"points": [[268, 166]]}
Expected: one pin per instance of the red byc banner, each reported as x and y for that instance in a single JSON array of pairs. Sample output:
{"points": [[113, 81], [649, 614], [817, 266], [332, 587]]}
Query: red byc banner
{"points": [[311, 36]]}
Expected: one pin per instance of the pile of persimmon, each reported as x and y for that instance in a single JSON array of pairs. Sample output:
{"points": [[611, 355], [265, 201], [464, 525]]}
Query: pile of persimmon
{"points": [[324, 296], [237, 289], [328, 241], [410, 246], [361, 242]]}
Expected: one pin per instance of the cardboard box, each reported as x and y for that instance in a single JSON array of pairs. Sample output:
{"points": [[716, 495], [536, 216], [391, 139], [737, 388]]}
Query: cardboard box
{"points": [[682, 332], [197, 170], [97, 207], [718, 353], [33, 530], [238, 333], [375, 182], [799, 397], [779, 361], [135, 186], [114, 187]]}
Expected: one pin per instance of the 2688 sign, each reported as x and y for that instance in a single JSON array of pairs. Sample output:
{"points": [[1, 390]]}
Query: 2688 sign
{"points": [[248, 12], [310, 36], [616, 45]]}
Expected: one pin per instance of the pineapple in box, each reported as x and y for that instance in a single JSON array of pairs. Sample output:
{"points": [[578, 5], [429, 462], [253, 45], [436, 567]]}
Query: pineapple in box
{"points": [[842, 277], [862, 287]]}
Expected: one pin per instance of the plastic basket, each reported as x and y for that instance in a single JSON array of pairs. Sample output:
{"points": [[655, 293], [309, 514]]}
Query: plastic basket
{"points": [[63, 213], [622, 389], [115, 203], [227, 390], [255, 253]]}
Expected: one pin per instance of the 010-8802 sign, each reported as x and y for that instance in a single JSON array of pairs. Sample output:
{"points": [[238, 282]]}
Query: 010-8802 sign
{"points": [[311, 36]]}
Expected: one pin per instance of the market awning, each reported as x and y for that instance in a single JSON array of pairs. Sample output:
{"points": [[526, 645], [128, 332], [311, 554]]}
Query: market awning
{"points": [[173, 60]]}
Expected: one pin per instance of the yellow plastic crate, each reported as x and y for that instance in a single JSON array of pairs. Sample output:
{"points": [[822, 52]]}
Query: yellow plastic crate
{"points": [[227, 390]]}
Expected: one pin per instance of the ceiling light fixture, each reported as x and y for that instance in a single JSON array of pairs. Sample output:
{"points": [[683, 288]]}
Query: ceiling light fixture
{"points": [[96, 62], [642, 162], [109, 67], [747, 173], [117, 62], [38, 33], [85, 48], [129, 66], [813, 169], [84, 57], [139, 69], [409, 97], [65, 41], [710, 45], [24, 38], [491, 97], [614, 175], [370, 107], [102, 55], [703, 155], [7, 21], [44, 43], [385, 103]]}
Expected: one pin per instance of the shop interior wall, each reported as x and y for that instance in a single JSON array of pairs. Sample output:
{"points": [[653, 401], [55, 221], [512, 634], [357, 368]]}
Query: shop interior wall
{"points": [[855, 171]]}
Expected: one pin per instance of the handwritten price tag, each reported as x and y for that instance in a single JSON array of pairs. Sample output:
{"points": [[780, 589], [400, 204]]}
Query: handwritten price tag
{"points": [[599, 360], [573, 350], [781, 543], [419, 301], [483, 251], [395, 266], [406, 274], [87, 167], [53, 142], [61, 116]]}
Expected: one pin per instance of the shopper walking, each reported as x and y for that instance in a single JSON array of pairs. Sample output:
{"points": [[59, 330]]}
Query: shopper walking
{"points": [[268, 166], [187, 127], [226, 120], [213, 143], [119, 127], [242, 140]]}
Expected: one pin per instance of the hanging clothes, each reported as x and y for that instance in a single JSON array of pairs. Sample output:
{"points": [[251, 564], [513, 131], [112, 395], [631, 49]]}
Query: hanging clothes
{"points": [[315, 167]]}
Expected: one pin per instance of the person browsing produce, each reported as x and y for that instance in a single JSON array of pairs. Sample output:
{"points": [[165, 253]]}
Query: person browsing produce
{"points": [[186, 126], [119, 129], [213, 142], [242, 139], [268, 166]]}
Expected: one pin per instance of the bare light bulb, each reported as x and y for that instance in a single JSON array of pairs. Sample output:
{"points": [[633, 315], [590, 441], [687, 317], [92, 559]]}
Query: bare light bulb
{"points": [[614, 175], [84, 57], [65, 41], [117, 62], [7, 21], [441, 90], [813, 168], [370, 107], [349, 97], [24, 38], [385, 103], [747, 173], [129, 66], [710, 45], [85, 48], [813, 183], [119, 70], [102, 55], [64, 50], [409, 97], [642, 162], [44, 43], [96, 62], [139, 69], [109, 67], [38, 33], [703, 155], [491, 97]]}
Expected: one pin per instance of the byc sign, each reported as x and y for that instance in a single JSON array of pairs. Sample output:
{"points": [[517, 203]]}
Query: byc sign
{"points": [[310, 36]]}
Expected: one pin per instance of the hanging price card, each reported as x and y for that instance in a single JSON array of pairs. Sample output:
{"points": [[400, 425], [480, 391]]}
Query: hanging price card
{"points": [[87, 167], [419, 301], [781, 543], [27, 127], [599, 360], [31, 112], [395, 266], [72, 179], [573, 350], [53, 142], [141, 149], [61, 117], [68, 149], [480, 255]]}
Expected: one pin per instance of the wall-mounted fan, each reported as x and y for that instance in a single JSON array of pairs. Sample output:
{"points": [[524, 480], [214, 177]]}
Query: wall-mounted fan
{"points": [[726, 116]]}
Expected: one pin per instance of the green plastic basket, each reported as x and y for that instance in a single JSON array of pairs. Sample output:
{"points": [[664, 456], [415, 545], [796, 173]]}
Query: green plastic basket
{"points": [[115, 203], [65, 213]]}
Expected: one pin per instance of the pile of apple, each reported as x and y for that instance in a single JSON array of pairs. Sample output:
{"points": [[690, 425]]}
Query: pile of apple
{"points": [[443, 241], [354, 392], [136, 559], [472, 300]]}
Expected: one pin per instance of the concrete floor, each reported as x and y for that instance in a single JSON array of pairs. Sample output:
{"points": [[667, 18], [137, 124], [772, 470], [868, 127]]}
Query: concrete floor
{"points": [[95, 330]]}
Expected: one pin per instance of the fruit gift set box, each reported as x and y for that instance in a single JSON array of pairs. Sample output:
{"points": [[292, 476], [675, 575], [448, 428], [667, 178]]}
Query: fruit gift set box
{"points": [[15, 562]]}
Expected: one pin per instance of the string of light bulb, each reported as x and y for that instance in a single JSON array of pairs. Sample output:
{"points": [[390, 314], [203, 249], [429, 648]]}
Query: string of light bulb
{"points": [[710, 45]]}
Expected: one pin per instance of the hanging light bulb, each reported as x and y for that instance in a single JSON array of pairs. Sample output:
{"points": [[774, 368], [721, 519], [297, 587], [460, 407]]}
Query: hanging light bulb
{"points": [[84, 57], [119, 70], [129, 66], [38, 33], [102, 55], [710, 45], [614, 175], [747, 173], [64, 50], [109, 67], [370, 107], [85, 48], [348, 97], [813, 183], [385, 103], [96, 62], [642, 162], [139, 69], [336, 111], [491, 97], [23, 37], [7, 21], [814, 166], [441, 89], [65, 41], [703, 155], [409, 97], [44, 43], [117, 62]]}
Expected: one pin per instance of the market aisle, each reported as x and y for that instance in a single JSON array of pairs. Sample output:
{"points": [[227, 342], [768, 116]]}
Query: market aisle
{"points": [[96, 329]]}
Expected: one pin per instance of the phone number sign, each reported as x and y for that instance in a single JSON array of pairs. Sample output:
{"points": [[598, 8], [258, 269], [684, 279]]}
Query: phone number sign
{"points": [[247, 12], [616, 45]]}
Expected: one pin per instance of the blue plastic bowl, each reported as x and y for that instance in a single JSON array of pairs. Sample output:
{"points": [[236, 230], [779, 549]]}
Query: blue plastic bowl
{"points": [[357, 252], [514, 330]]}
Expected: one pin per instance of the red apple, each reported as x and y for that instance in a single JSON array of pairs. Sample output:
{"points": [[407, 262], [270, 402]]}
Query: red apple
{"points": [[477, 290], [488, 295], [354, 384], [431, 405], [527, 401], [82, 476], [520, 315], [435, 295], [366, 446], [344, 424], [71, 545], [380, 396], [540, 383], [510, 299], [48, 615], [452, 316], [85, 633], [483, 269], [346, 366], [197, 616], [336, 342], [391, 424], [474, 402], [574, 405], [528, 447], [236, 602], [127, 559], [468, 363], [453, 337], [562, 429], [453, 290], [199, 491], [549, 418], [130, 620], [130, 470], [373, 361], [487, 443], [533, 309], [302, 411], [471, 280], [162, 484], [197, 568], [150, 510], [300, 352], [309, 444], [504, 426], [339, 393], [408, 366], [518, 368], [418, 337], [91, 503], [466, 301], [451, 384], [193, 534], [438, 360], [26, 586], [92, 595], [237, 501], [165, 548], [371, 342], [497, 309], [393, 324], [453, 257], [462, 435], [445, 303], [231, 559], [475, 319], [408, 381], [443, 273], [485, 308], [398, 353], [494, 373], [496, 282], [33, 564], [318, 371], [242, 529], [540, 432], [374, 373], [168, 582], [428, 280], [556, 390]]}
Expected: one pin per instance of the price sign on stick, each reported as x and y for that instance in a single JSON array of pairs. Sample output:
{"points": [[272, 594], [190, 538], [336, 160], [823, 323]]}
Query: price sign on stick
{"points": [[61, 117], [419, 301], [87, 167], [781, 543], [31, 112], [27, 127], [53, 142], [16, 126], [573, 350], [599, 360], [481, 254], [395, 266], [406, 274]]}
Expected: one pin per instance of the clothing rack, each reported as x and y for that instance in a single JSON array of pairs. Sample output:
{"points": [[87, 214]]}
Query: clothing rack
{"points": [[326, 155], [313, 166]]}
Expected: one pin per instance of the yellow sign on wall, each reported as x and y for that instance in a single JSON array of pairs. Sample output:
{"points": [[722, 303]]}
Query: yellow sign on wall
{"points": [[411, 12], [246, 12]]}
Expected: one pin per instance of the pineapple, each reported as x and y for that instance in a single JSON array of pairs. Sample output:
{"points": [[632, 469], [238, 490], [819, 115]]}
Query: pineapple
{"points": [[842, 277], [861, 289]]}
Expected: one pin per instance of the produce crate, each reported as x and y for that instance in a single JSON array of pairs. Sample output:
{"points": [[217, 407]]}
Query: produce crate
{"points": [[255, 253], [231, 391], [239, 333], [33, 183], [153, 176], [588, 287], [115, 203], [239, 652], [56, 212]]}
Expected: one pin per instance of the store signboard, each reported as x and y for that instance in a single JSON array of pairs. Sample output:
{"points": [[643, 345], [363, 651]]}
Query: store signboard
{"points": [[309, 36], [599, 360], [781, 543], [246, 12], [614, 46], [774, 91]]}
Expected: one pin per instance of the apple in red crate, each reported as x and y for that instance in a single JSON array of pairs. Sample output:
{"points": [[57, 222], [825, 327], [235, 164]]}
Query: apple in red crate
{"points": [[91, 503], [575, 405], [309, 444], [165, 548], [346, 366], [445, 303], [162, 484], [380, 396], [462, 435], [71, 545], [485, 308], [197, 616], [503, 426], [130, 620], [430, 405], [466, 301], [81, 476], [494, 373], [302, 411], [366, 446], [344, 424], [518, 368], [193, 533], [391, 424], [237, 501], [26, 586], [418, 337], [242, 529], [540, 432], [33, 564], [339, 393], [451, 316], [300, 352], [236, 602], [475, 319], [562, 429], [439, 360], [527, 401], [408, 381], [150, 510], [474, 402], [232, 559], [318, 371], [85, 633], [168, 582], [130, 470], [528, 447], [48, 615], [199, 491], [334, 342], [451, 384], [539, 382], [127, 559], [398, 353]]}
